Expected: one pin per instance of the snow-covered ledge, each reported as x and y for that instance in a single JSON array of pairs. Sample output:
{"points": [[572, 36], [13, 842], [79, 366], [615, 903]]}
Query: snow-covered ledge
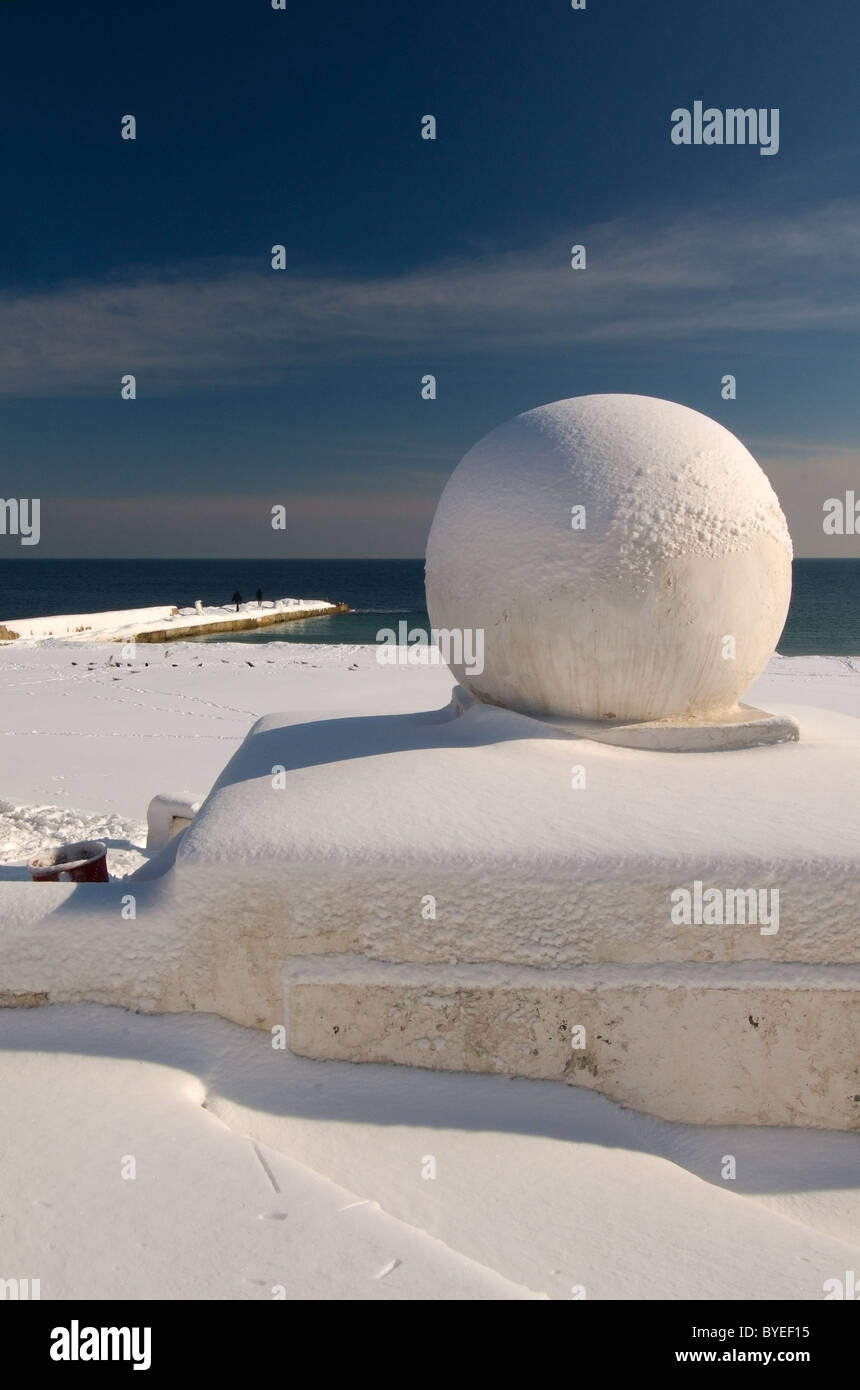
{"points": [[434, 889]]}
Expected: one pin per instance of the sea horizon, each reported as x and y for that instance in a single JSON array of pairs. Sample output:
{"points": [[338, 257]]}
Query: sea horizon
{"points": [[823, 618]]}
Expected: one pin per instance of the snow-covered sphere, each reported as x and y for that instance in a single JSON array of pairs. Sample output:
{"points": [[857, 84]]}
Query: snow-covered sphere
{"points": [[625, 557]]}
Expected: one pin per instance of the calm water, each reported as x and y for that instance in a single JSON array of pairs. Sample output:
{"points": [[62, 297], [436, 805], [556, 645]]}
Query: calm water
{"points": [[824, 617]]}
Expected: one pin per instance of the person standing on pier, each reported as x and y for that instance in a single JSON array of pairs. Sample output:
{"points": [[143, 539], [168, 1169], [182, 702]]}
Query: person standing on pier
{"points": [[237, 599], [259, 598]]}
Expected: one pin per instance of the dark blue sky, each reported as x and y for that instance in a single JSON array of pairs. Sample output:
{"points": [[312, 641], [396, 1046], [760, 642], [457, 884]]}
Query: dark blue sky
{"points": [[406, 256]]}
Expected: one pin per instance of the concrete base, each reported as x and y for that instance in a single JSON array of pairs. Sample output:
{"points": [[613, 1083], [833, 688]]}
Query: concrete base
{"points": [[742, 727], [708, 1045]]}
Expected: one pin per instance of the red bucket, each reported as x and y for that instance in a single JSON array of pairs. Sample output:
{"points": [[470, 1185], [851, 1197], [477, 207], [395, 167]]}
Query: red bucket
{"points": [[85, 862]]}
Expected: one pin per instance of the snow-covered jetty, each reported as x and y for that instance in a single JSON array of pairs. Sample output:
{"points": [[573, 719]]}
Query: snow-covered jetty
{"points": [[165, 623]]}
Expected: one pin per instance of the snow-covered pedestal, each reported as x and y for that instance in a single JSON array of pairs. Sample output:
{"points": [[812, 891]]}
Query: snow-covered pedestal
{"points": [[469, 890], [466, 891]]}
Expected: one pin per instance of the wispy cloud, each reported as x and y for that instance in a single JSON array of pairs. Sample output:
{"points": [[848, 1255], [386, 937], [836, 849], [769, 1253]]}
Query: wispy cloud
{"points": [[721, 274]]}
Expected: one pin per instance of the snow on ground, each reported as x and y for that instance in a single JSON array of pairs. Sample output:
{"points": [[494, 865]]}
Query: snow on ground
{"points": [[88, 736], [261, 1175], [25, 830], [257, 1171]]}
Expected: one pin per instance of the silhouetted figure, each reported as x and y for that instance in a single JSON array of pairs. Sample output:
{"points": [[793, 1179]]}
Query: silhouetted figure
{"points": [[259, 597], [237, 599]]}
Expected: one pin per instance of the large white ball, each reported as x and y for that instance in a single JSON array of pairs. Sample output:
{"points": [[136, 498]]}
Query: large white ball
{"points": [[668, 603]]}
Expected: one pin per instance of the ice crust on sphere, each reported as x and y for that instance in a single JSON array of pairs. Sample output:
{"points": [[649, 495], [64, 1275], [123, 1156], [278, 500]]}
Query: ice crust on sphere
{"points": [[685, 544]]}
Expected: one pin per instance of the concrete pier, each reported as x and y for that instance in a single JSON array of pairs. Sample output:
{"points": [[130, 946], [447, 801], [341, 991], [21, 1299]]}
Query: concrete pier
{"points": [[174, 631], [165, 623]]}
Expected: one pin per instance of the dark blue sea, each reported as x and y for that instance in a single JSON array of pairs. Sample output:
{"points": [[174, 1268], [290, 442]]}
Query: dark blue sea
{"points": [[824, 617]]}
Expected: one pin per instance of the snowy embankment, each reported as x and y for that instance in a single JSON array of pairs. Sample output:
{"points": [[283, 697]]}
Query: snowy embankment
{"points": [[164, 623]]}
